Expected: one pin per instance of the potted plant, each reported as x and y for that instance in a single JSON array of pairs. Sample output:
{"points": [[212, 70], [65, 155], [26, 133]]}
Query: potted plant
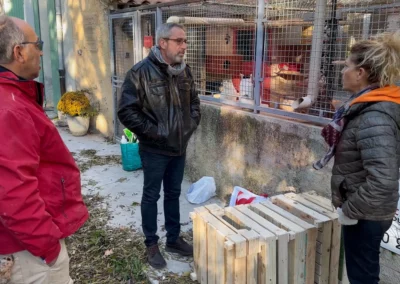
{"points": [[76, 106]]}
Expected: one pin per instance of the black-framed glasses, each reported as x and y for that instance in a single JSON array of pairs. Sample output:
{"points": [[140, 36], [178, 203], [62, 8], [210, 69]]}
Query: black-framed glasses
{"points": [[179, 41], [39, 43]]}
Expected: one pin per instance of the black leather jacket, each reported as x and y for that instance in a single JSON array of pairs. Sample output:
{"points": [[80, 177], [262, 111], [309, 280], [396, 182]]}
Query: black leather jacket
{"points": [[162, 110]]}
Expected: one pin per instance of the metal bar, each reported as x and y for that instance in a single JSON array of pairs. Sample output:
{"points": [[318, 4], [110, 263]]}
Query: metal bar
{"points": [[316, 49], [366, 26], [114, 90], [159, 20], [259, 52], [121, 15], [137, 35], [160, 5], [295, 115], [368, 9]]}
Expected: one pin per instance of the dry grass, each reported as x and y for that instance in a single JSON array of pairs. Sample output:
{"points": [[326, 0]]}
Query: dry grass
{"points": [[104, 255]]}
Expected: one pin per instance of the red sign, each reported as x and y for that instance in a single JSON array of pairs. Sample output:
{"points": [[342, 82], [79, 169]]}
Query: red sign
{"points": [[148, 41]]}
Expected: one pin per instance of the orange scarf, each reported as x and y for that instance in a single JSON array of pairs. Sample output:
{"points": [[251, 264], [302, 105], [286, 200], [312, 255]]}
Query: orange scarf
{"points": [[385, 94]]}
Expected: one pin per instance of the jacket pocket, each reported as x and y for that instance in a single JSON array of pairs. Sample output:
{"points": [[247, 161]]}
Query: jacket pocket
{"points": [[158, 88]]}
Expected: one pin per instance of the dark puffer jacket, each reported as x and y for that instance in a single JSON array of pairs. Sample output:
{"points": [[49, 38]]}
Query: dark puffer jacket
{"points": [[366, 170], [162, 111]]}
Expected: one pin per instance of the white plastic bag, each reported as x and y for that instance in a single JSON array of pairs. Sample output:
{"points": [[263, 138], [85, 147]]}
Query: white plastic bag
{"points": [[201, 191], [243, 196], [391, 239]]}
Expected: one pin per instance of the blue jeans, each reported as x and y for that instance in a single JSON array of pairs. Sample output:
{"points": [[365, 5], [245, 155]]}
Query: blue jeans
{"points": [[361, 244], [168, 170]]}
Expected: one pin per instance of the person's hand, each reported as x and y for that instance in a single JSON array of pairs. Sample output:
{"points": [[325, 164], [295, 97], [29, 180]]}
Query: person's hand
{"points": [[344, 220]]}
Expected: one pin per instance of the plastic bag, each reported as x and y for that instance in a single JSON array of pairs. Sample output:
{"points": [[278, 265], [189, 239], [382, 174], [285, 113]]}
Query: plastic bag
{"points": [[201, 191], [391, 239], [243, 196]]}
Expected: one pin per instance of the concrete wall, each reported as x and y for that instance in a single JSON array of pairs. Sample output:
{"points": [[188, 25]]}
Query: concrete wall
{"points": [[266, 155], [260, 153], [87, 57]]}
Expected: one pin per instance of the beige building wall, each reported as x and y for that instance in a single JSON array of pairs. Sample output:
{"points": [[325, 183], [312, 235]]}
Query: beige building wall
{"points": [[88, 57]]}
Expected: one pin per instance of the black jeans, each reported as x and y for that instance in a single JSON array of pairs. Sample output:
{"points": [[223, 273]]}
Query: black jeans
{"points": [[361, 244], [169, 170]]}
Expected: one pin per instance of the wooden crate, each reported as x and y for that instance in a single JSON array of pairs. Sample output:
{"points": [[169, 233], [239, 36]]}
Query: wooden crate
{"points": [[290, 239]]}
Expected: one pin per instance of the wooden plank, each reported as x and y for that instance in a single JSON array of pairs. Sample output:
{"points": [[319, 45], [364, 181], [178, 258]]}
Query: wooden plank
{"points": [[202, 253], [311, 235], [316, 207], [299, 210], [196, 243], [325, 252], [253, 248], [211, 254], [297, 246], [317, 199], [240, 262], [311, 254], [230, 262], [239, 247], [275, 218], [288, 215], [268, 262], [335, 252]]}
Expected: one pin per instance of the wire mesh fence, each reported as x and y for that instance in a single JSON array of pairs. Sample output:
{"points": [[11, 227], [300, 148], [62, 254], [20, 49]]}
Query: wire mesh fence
{"points": [[221, 37], [304, 44]]}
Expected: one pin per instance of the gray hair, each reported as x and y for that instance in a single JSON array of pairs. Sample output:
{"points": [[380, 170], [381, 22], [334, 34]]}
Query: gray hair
{"points": [[164, 31], [10, 35]]}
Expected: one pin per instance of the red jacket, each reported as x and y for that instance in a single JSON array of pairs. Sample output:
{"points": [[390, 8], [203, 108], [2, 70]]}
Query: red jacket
{"points": [[40, 190]]}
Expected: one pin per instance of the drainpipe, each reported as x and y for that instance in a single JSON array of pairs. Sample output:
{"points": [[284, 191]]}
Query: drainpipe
{"points": [[316, 54], [206, 21], [60, 42]]}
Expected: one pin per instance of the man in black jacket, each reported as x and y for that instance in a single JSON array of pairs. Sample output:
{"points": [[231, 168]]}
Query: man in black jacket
{"points": [[159, 103]]}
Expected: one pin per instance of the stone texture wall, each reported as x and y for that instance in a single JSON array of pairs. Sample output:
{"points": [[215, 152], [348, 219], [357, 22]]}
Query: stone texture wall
{"points": [[260, 153]]}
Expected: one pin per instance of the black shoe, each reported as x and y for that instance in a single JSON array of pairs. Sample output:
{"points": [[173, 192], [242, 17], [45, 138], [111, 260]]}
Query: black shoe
{"points": [[181, 247], [155, 258]]}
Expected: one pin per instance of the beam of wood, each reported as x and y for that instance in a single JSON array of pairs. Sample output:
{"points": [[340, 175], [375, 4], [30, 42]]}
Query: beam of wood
{"points": [[211, 254], [317, 199], [299, 210], [230, 262], [196, 243], [275, 218], [202, 255], [335, 252], [288, 215], [326, 252], [253, 248], [270, 260], [316, 207], [297, 245]]}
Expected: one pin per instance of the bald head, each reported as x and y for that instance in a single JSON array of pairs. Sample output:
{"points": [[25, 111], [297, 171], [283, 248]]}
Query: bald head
{"points": [[10, 35], [20, 47]]}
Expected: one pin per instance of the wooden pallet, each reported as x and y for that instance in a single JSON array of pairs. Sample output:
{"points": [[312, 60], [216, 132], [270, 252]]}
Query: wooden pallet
{"points": [[287, 240]]}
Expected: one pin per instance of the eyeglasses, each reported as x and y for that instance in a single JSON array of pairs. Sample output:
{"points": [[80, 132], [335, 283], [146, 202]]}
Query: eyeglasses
{"points": [[39, 43], [179, 41]]}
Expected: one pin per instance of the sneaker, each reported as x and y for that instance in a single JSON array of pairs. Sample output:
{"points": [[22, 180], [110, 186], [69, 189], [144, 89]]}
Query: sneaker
{"points": [[181, 247], [155, 258]]}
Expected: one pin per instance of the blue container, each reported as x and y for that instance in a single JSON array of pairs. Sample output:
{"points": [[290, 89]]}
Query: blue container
{"points": [[130, 156]]}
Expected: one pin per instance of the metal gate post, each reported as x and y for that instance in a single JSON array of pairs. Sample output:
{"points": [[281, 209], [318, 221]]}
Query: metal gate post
{"points": [[159, 20], [258, 78]]}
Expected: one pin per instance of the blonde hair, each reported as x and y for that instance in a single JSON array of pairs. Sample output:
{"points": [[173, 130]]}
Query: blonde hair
{"points": [[380, 57]]}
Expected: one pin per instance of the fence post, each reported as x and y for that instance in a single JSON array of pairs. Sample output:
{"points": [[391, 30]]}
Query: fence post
{"points": [[316, 49], [159, 20], [258, 78]]}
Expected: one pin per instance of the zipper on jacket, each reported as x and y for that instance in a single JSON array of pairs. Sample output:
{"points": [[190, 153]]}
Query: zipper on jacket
{"points": [[175, 85], [63, 193]]}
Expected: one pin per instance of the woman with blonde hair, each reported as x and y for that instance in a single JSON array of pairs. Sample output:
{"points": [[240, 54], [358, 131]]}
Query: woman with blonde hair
{"points": [[364, 138]]}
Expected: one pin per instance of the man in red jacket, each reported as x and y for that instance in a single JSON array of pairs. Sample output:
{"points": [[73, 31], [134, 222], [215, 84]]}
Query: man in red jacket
{"points": [[40, 191]]}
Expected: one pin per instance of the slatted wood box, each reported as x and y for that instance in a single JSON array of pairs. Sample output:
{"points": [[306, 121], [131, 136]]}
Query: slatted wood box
{"points": [[292, 238]]}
